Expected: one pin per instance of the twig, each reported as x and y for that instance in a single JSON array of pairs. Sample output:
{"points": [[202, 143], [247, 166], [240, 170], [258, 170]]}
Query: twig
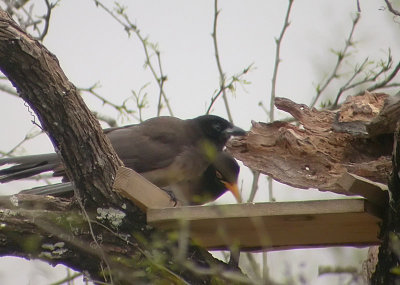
{"points": [[254, 266], [29, 136], [120, 108], [28, 21], [384, 83], [9, 90], [340, 56], [265, 269], [270, 190], [163, 79], [46, 18], [231, 85], [129, 26], [99, 247], [278, 42], [106, 119], [379, 85], [391, 9], [221, 73], [140, 100], [348, 84], [254, 185]]}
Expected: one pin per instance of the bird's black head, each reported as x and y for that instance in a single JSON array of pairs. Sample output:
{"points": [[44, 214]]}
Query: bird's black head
{"points": [[217, 129], [222, 175]]}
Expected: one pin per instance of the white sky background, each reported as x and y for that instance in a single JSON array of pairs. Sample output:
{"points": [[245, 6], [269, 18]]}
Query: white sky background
{"points": [[92, 47]]}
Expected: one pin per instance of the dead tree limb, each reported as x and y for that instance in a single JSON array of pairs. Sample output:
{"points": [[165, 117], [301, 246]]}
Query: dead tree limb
{"points": [[324, 146]]}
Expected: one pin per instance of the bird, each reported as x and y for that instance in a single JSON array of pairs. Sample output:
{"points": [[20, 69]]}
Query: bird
{"points": [[219, 177], [165, 150]]}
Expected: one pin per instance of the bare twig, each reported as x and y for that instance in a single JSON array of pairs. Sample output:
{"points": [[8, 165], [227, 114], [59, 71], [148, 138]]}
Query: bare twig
{"points": [[255, 267], [122, 109], [340, 57], [237, 78], [372, 77], [254, 186], [46, 19], [271, 114], [163, 79], [99, 248], [278, 42], [221, 73], [33, 133], [391, 9], [106, 119], [384, 83], [9, 90], [348, 84], [265, 268], [130, 27], [26, 20]]}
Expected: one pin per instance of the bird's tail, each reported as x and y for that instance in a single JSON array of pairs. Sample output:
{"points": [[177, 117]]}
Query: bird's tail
{"points": [[27, 166], [65, 190]]}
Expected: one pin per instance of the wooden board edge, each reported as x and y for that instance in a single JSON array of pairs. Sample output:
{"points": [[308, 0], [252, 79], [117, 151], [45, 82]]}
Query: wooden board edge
{"points": [[247, 210], [140, 191]]}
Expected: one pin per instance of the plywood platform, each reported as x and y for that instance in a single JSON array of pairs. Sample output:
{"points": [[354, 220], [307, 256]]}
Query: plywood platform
{"points": [[276, 225]]}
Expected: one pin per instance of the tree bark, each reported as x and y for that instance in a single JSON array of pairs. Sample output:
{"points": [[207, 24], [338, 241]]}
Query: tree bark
{"points": [[387, 270], [103, 234], [324, 145]]}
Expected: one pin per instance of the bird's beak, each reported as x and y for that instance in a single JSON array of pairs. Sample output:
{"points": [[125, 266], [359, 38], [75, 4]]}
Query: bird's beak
{"points": [[234, 189], [235, 131]]}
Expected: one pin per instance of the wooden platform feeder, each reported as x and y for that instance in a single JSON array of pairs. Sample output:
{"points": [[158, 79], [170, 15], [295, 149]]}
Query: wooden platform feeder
{"points": [[263, 226]]}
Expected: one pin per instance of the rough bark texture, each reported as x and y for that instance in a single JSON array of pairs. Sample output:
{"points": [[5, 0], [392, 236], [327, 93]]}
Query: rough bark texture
{"points": [[119, 242], [387, 270], [75, 133], [322, 147]]}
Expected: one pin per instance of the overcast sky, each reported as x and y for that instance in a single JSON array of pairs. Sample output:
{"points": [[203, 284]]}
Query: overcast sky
{"points": [[92, 47]]}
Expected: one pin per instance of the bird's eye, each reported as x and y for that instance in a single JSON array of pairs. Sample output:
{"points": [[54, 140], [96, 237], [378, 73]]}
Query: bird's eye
{"points": [[217, 127], [219, 175]]}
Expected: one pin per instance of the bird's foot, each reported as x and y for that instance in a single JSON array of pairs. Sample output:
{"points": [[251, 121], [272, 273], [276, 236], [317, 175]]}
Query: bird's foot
{"points": [[172, 196], [234, 259]]}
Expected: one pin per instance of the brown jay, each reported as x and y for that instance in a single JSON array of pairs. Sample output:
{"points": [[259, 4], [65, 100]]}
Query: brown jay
{"points": [[220, 176], [167, 151]]}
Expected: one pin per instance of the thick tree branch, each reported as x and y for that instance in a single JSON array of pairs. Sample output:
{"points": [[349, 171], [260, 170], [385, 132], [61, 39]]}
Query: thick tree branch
{"points": [[72, 128]]}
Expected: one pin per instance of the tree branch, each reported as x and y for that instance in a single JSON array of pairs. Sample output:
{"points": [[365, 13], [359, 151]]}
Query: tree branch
{"points": [[222, 77], [127, 245]]}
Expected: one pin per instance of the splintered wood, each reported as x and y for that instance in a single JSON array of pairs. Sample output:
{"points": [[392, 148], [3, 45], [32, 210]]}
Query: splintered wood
{"points": [[325, 147]]}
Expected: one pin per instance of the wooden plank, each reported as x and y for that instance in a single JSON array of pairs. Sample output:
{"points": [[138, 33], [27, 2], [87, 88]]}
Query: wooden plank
{"points": [[276, 225], [139, 190], [373, 191]]}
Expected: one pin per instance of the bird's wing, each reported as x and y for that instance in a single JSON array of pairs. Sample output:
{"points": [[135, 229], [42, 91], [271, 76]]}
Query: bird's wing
{"points": [[154, 144]]}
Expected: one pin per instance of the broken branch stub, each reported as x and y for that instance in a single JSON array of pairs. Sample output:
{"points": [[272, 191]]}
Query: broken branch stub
{"points": [[323, 147]]}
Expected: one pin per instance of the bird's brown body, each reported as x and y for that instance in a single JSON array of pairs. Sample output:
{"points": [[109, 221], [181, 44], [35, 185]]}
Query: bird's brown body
{"points": [[167, 151]]}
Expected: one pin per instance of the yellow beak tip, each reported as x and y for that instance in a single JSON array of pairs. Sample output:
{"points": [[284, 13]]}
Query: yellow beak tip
{"points": [[234, 190]]}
